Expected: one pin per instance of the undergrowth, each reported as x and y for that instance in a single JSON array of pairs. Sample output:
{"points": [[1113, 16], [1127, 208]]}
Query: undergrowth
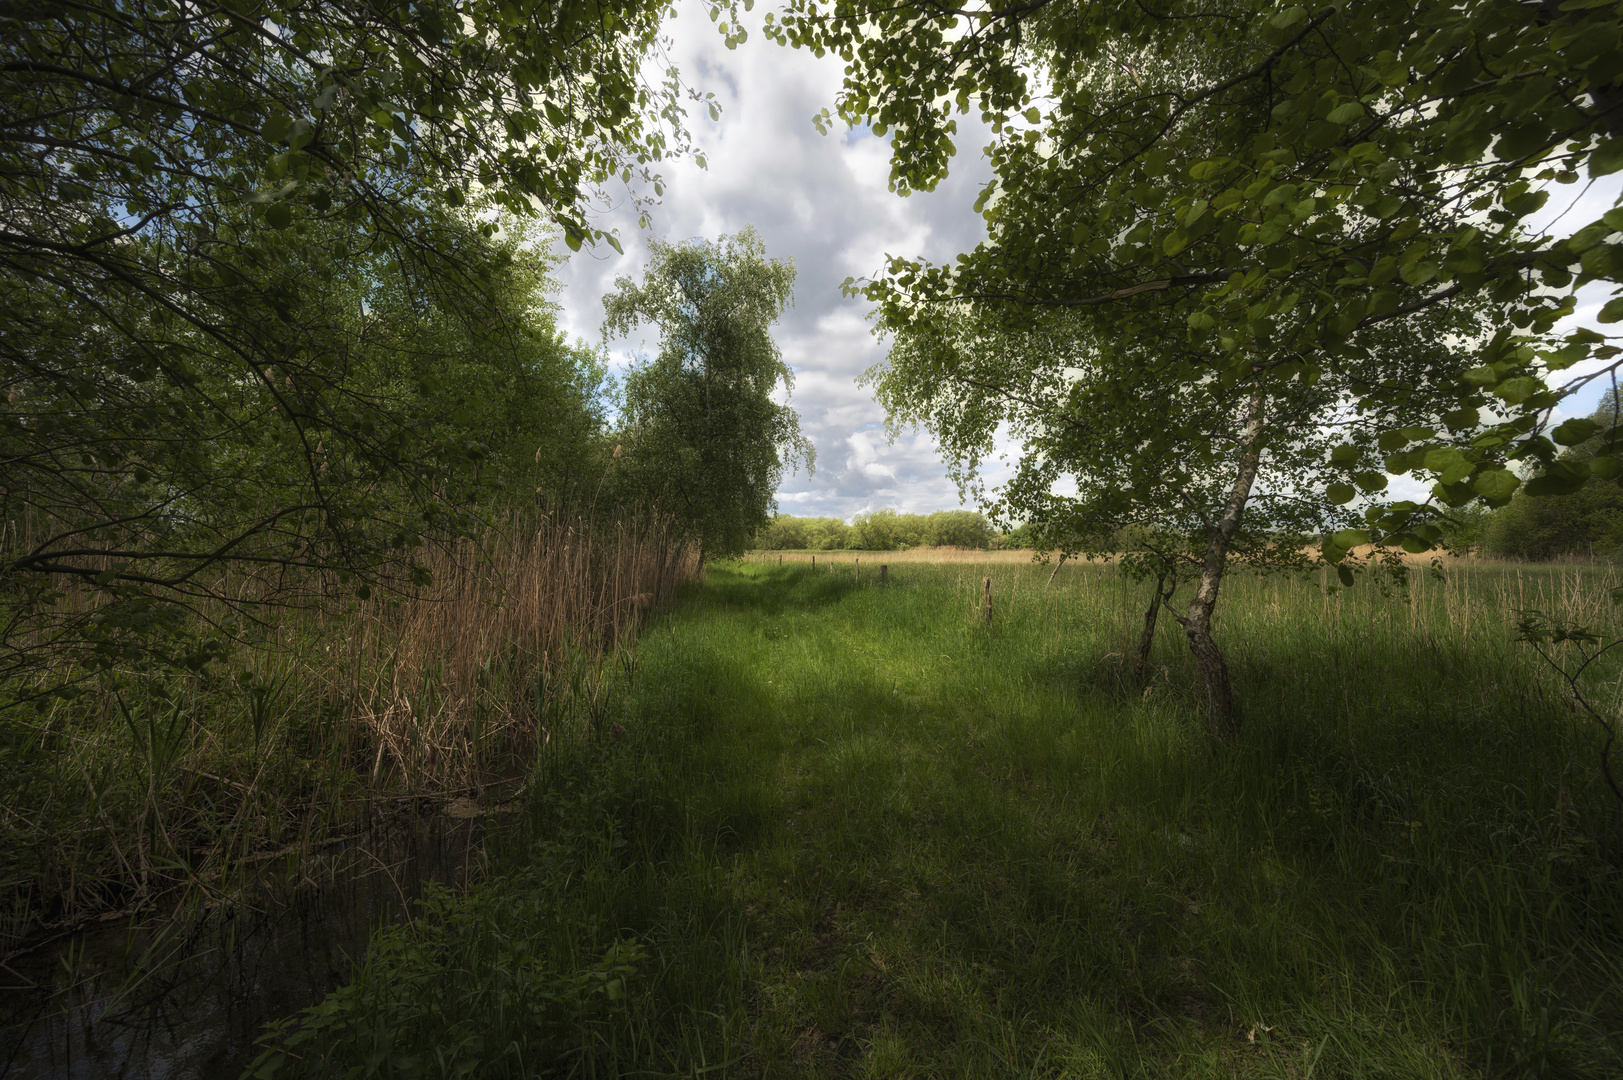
{"points": [[834, 829]]}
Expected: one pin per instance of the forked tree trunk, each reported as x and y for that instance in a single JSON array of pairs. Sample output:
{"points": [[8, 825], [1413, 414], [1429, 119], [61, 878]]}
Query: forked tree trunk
{"points": [[1221, 716]]}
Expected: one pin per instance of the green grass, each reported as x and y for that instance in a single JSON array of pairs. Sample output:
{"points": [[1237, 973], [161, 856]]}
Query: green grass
{"points": [[852, 831]]}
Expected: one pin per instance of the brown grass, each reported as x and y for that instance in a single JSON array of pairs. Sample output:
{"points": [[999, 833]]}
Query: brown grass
{"points": [[439, 679], [453, 686]]}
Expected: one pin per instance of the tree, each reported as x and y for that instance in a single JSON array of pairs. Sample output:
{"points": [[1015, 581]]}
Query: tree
{"points": [[1267, 192], [1586, 521], [207, 208], [703, 433], [1194, 467]]}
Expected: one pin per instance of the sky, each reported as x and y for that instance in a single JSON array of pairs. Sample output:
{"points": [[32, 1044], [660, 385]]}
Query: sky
{"points": [[823, 201]]}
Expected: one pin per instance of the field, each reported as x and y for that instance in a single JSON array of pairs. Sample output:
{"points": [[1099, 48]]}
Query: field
{"points": [[838, 830]]}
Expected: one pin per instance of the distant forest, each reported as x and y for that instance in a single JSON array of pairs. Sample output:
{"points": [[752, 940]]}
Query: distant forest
{"points": [[886, 530]]}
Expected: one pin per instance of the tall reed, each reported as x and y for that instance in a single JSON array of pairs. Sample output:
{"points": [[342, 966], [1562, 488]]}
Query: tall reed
{"points": [[149, 780], [470, 667]]}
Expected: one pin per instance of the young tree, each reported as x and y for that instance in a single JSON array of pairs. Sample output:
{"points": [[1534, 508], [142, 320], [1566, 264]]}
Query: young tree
{"points": [[1254, 193], [1196, 467], [703, 433]]}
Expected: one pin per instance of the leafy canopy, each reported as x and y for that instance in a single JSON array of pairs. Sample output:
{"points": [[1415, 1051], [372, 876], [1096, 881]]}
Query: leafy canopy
{"points": [[1289, 179], [706, 436], [255, 320]]}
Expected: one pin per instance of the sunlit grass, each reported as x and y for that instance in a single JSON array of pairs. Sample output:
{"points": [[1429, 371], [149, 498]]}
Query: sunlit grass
{"points": [[858, 832]]}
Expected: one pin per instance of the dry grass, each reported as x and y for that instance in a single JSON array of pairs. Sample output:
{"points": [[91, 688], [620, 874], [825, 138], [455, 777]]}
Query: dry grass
{"points": [[145, 782], [439, 680]]}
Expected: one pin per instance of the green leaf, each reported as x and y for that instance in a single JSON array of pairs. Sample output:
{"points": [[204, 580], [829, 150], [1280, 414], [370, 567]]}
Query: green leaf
{"points": [[1612, 312], [1290, 17], [1575, 431], [1340, 494], [1345, 574], [1347, 539], [1344, 455], [1346, 113], [1561, 478], [1496, 485], [1462, 419], [279, 215], [1033, 116], [1605, 467], [1607, 158]]}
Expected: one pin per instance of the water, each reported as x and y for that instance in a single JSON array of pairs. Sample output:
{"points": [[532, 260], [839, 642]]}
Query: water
{"points": [[184, 996]]}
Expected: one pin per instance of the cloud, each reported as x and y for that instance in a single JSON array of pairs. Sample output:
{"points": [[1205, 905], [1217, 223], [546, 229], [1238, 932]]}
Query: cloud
{"points": [[822, 201]]}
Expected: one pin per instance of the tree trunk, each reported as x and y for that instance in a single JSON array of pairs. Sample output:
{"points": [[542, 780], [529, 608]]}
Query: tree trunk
{"points": [[1146, 642], [1221, 716]]}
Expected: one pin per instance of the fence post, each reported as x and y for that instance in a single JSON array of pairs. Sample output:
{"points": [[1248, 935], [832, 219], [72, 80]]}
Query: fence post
{"points": [[814, 562], [859, 570], [884, 571], [988, 587]]}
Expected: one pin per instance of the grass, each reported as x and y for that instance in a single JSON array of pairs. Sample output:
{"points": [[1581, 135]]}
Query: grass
{"points": [[834, 830], [328, 715]]}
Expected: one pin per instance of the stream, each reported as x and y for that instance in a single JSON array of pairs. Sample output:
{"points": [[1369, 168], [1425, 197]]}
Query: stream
{"points": [[185, 996]]}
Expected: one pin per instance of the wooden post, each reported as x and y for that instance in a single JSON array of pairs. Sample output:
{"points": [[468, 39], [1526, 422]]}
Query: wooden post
{"points": [[884, 571], [814, 562], [1055, 574], [859, 569], [780, 560], [988, 586]]}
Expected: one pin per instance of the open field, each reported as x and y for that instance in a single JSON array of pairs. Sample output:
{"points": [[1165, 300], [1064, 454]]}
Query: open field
{"points": [[1018, 556], [835, 830], [910, 555]]}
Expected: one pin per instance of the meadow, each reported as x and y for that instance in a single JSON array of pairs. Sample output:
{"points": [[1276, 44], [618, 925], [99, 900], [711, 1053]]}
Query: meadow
{"points": [[836, 830]]}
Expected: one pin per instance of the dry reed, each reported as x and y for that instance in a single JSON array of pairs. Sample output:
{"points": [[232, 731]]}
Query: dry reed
{"points": [[441, 679]]}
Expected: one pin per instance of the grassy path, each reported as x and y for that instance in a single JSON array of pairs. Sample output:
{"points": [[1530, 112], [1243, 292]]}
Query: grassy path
{"points": [[848, 831]]}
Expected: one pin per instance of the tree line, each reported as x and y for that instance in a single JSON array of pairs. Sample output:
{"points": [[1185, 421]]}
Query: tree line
{"points": [[878, 530]]}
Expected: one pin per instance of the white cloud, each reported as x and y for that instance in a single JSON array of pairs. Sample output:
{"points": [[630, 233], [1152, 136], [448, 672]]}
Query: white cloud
{"points": [[823, 201]]}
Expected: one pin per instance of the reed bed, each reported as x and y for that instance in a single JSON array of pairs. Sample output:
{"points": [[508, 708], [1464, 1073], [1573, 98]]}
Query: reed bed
{"points": [[334, 710], [439, 680]]}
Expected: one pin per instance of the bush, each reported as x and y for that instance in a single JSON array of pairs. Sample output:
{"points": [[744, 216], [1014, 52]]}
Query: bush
{"points": [[1590, 520]]}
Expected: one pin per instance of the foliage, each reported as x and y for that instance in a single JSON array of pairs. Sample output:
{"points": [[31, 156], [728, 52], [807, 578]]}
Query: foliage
{"points": [[859, 833], [703, 436], [1586, 521], [1276, 180], [1220, 231], [249, 329], [877, 530]]}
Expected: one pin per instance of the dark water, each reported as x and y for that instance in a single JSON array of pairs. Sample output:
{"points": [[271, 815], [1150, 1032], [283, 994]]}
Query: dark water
{"points": [[185, 995]]}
